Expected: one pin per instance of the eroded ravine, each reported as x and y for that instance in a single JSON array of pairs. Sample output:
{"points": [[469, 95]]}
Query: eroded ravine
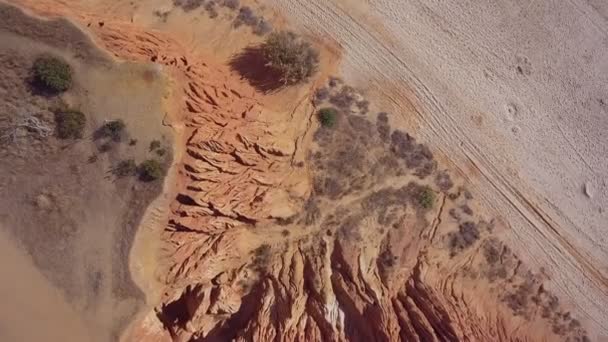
{"points": [[331, 245]]}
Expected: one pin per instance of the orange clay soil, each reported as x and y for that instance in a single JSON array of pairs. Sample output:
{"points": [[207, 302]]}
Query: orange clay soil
{"points": [[281, 230]]}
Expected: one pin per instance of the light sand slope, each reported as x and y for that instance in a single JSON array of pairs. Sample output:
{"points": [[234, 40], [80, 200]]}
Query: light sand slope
{"points": [[515, 93], [33, 298]]}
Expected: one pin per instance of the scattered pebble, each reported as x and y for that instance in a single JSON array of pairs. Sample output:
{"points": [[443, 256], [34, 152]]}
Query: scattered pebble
{"points": [[588, 189]]}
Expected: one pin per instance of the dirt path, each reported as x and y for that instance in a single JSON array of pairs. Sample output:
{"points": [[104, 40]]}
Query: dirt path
{"points": [[515, 95]]}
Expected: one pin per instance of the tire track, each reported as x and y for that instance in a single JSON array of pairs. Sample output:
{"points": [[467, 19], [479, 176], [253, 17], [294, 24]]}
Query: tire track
{"points": [[368, 53]]}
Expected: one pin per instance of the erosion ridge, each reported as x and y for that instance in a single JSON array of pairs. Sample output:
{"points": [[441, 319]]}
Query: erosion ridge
{"points": [[326, 241]]}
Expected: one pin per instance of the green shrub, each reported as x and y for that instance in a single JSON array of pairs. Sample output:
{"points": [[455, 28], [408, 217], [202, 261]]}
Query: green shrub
{"points": [[291, 56], [113, 129], [69, 124], [426, 198], [328, 117], [150, 170], [52, 73]]}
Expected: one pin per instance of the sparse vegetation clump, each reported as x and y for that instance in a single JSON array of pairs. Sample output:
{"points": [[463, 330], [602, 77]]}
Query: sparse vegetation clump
{"points": [[113, 129], [294, 58], [262, 27], [465, 237], [426, 198], [52, 74], [246, 16], [211, 9], [261, 258], [154, 144], [150, 170], [232, 4], [69, 124], [125, 168], [188, 5], [321, 95], [328, 117]]}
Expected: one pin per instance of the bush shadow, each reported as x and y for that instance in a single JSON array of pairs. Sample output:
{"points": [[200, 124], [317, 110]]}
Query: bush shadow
{"points": [[37, 88], [252, 66]]}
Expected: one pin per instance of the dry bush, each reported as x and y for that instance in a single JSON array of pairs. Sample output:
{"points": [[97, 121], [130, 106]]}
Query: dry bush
{"points": [[466, 209], [211, 9], [416, 156], [262, 27], [114, 130], [246, 16], [312, 212], [444, 181], [261, 258], [363, 106], [466, 236], [232, 4], [285, 221], [345, 98], [293, 57], [188, 5], [362, 128], [150, 170], [125, 168], [383, 127], [69, 124], [321, 95], [327, 186], [350, 228], [492, 251], [387, 258], [154, 144]]}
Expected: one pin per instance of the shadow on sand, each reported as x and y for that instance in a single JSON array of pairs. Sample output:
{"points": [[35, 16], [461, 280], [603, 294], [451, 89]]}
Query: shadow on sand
{"points": [[252, 66]]}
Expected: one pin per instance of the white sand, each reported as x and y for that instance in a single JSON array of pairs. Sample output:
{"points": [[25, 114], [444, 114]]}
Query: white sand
{"points": [[536, 135]]}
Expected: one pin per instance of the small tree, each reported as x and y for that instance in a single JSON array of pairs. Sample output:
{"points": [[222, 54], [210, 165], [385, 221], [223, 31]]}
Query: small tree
{"points": [[69, 124], [426, 198], [150, 170], [52, 73], [294, 58], [328, 117]]}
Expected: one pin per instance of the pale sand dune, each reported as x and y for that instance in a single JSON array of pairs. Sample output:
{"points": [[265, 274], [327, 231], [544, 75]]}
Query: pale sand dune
{"points": [[27, 297], [515, 93]]}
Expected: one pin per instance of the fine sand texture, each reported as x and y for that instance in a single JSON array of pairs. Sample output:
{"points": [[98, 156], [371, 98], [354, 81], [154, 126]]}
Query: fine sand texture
{"points": [[515, 95], [33, 298]]}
